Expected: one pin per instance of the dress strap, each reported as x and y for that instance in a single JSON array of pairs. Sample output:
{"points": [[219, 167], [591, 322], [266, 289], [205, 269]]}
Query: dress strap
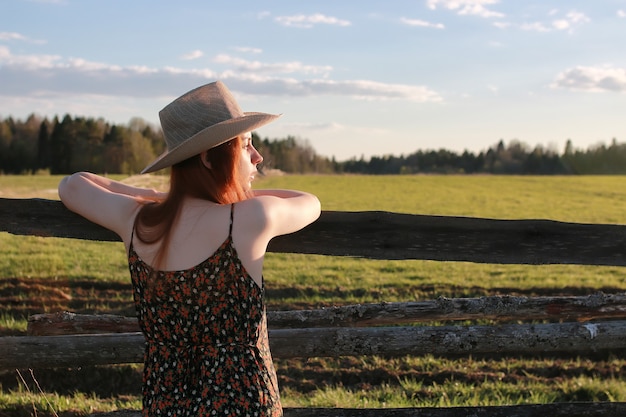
{"points": [[230, 228], [132, 235]]}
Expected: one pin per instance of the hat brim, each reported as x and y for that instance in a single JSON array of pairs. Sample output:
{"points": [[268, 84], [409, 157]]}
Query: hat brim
{"points": [[209, 138]]}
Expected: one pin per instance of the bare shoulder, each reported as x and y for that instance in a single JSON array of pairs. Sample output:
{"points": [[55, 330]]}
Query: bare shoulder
{"points": [[280, 212], [252, 212]]}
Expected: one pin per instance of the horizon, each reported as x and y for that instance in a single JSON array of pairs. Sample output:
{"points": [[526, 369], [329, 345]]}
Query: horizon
{"points": [[304, 142]]}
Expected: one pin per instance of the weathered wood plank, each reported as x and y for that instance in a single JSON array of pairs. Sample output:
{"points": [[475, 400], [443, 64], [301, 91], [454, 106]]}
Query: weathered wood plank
{"points": [[383, 235], [501, 308], [64, 322], [511, 339], [531, 410], [23, 352], [48, 218], [603, 409]]}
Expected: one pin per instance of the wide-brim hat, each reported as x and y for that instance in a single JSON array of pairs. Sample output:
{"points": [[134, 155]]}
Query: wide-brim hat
{"points": [[201, 119]]}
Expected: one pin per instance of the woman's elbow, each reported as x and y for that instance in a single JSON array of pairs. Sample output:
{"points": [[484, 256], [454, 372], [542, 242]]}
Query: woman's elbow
{"points": [[315, 208], [318, 206], [67, 188], [63, 187]]}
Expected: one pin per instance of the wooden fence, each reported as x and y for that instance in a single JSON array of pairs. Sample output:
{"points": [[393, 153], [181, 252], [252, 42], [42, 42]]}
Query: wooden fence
{"points": [[588, 325]]}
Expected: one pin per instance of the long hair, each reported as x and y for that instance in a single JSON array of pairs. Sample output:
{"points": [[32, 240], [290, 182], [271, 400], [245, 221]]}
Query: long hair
{"points": [[220, 184]]}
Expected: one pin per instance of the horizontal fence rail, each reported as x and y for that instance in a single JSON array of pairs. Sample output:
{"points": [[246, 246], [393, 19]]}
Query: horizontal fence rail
{"points": [[511, 339], [500, 308], [382, 235], [532, 410]]}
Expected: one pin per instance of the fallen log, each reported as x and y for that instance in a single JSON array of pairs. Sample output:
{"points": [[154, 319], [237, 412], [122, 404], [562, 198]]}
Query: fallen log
{"points": [[499, 308], [510, 339]]}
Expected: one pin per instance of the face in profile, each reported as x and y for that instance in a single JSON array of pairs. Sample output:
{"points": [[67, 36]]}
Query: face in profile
{"points": [[248, 162]]}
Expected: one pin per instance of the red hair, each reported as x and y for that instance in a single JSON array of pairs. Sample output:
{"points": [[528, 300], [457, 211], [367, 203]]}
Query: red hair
{"points": [[192, 178]]}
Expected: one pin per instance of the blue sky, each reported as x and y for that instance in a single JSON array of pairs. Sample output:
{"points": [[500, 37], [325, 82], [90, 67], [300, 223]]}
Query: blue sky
{"points": [[354, 78]]}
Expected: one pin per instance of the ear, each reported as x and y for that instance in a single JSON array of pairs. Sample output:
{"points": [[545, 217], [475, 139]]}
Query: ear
{"points": [[205, 161]]}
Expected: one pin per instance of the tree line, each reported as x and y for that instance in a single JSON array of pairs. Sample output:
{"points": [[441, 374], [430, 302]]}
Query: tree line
{"points": [[515, 158], [76, 144], [70, 144]]}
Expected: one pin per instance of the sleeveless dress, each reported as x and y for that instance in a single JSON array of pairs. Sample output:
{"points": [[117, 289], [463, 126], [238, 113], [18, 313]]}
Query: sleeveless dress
{"points": [[207, 350]]}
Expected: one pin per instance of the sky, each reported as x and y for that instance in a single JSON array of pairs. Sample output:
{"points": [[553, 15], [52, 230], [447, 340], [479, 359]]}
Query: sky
{"points": [[352, 78]]}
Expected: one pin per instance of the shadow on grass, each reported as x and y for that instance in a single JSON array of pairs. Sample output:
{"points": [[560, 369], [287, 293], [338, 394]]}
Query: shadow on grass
{"points": [[100, 381]]}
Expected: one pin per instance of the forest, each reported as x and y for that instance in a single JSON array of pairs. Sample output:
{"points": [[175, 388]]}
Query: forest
{"points": [[62, 146]]}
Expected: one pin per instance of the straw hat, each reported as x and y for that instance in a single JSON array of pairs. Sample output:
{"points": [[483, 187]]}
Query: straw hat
{"points": [[202, 119]]}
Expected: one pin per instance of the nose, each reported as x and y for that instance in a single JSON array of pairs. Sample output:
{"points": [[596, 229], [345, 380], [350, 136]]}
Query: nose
{"points": [[255, 156]]}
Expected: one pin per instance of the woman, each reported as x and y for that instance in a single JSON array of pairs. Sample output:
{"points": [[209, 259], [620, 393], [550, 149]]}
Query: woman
{"points": [[196, 258]]}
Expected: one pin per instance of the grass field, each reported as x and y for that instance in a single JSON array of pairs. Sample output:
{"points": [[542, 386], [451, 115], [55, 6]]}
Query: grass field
{"points": [[45, 274]]}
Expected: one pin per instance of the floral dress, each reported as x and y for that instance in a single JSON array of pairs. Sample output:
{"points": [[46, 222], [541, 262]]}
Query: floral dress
{"points": [[207, 351]]}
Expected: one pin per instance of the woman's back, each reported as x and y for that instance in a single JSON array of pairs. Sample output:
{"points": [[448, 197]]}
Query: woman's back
{"points": [[201, 228], [207, 347]]}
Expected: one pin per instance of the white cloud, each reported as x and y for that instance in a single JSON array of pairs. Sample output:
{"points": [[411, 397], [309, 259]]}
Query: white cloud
{"points": [[421, 23], [14, 36], [502, 25], [249, 50], [577, 17], [561, 24], [334, 127], [192, 55], [11, 36], [27, 62], [569, 21], [41, 76], [272, 68], [467, 7], [59, 2], [535, 27], [308, 21], [370, 90], [621, 13], [592, 79], [326, 126], [49, 75]]}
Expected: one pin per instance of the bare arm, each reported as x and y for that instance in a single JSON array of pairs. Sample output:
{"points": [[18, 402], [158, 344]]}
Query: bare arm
{"points": [[288, 210], [106, 202], [282, 193], [118, 187]]}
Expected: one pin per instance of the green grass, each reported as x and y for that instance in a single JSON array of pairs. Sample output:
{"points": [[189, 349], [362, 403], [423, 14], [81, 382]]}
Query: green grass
{"points": [[584, 199], [435, 382], [13, 324], [597, 199], [23, 403], [324, 281], [32, 256], [68, 268], [451, 393]]}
